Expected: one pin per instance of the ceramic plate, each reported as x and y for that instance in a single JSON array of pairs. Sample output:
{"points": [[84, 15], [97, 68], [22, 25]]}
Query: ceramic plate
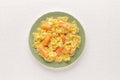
{"points": [[56, 64]]}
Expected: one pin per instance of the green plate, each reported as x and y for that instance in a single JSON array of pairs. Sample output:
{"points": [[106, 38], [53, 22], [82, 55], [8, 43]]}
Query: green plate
{"points": [[55, 64]]}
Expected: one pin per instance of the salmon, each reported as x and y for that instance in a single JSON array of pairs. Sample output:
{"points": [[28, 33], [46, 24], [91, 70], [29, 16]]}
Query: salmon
{"points": [[42, 51], [70, 51], [63, 37], [59, 50], [65, 26], [46, 27], [46, 41]]}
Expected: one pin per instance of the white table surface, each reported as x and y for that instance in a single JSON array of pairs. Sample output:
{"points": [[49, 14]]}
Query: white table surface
{"points": [[100, 59]]}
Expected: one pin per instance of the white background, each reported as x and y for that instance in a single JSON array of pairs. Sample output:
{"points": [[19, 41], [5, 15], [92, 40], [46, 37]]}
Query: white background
{"points": [[100, 59]]}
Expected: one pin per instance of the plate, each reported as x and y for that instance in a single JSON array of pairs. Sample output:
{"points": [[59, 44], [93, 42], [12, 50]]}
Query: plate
{"points": [[78, 50]]}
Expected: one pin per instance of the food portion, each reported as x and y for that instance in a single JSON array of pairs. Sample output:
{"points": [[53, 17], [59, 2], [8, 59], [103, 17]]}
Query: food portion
{"points": [[56, 39]]}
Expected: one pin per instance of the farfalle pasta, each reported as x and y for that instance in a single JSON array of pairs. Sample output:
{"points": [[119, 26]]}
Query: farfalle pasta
{"points": [[56, 39]]}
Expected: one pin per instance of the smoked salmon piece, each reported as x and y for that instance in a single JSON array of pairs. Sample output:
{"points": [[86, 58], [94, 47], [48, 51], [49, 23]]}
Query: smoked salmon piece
{"points": [[59, 50], [46, 41], [46, 27], [42, 51], [65, 26], [63, 37]]}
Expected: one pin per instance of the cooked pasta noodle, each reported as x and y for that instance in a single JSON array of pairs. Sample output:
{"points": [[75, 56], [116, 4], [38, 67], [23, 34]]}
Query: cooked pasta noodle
{"points": [[56, 39]]}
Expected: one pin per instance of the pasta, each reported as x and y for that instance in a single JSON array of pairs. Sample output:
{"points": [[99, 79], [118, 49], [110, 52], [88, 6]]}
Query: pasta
{"points": [[56, 39]]}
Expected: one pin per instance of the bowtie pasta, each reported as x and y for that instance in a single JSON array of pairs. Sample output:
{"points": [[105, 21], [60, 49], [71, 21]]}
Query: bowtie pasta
{"points": [[56, 39]]}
